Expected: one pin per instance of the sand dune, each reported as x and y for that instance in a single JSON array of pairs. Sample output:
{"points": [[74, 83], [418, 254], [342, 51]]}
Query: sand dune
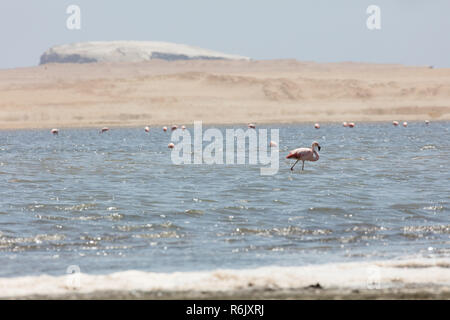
{"points": [[128, 51], [161, 92]]}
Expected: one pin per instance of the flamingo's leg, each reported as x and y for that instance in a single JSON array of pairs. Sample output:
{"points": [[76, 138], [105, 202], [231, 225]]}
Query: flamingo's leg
{"points": [[303, 165], [292, 168]]}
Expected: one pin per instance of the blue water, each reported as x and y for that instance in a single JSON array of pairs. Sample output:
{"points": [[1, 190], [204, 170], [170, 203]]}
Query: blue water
{"points": [[114, 201]]}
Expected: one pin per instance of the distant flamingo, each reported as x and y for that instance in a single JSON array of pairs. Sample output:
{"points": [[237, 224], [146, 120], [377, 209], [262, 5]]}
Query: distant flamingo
{"points": [[351, 124], [395, 123], [304, 154], [104, 129], [251, 126], [405, 124], [55, 131], [147, 129], [171, 145], [273, 144], [174, 127], [164, 129], [427, 122], [317, 126], [345, 124], [183, 127]]}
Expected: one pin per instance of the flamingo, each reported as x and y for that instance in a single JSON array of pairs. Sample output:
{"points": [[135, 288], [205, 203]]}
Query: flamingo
{"points": [[174, 127], [55, 131], [273, 144], [147, 129], [395, 123], [344, 124], [183, 127], [304, 154], [164, 129], [104, 129], [251, 126], [317, 126], [427, 122], [405, 124], [171, 145]]}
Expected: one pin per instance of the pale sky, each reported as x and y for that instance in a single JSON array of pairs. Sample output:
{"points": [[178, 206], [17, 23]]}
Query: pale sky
{"points": [[413, 32]]}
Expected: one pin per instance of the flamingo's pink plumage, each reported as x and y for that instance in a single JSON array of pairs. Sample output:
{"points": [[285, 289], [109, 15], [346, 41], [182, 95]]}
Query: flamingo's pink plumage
{"points": [[304, 154]]}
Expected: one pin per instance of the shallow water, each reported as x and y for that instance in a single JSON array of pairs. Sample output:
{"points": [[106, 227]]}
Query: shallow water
{"points": [[114, 201]]}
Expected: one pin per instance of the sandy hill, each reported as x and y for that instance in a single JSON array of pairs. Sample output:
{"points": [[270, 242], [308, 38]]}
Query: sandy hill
{"points": [[160, 92], [129, 51]]}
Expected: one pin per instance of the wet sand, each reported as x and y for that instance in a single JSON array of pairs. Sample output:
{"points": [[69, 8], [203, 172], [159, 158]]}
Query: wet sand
{"points": [[433, 292], [219, 92], [391, 279]]}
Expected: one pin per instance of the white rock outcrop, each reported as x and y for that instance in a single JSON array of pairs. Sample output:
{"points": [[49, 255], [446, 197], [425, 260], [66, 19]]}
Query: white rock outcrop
{"points": [[129, 51]]}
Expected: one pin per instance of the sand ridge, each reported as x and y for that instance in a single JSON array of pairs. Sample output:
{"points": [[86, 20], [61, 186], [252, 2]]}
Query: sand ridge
{"points": [[160, 92]]}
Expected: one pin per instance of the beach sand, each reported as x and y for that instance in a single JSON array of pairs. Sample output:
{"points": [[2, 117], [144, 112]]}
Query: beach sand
{"points": [[219, 92], [391, 279], [431, 292]]}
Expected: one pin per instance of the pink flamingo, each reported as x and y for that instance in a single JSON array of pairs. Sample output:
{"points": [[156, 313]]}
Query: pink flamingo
{"points": [[304, 154], [147, 129], [317, 126], [104, 129], [251, 126], [164, 129], [344, 124], [55, 131], [174, 127], [405, 124], [171, 145], [395, 123]]}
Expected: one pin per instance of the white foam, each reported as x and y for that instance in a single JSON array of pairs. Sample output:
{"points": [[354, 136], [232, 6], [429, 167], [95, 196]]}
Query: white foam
{"points": [[381, 274]]}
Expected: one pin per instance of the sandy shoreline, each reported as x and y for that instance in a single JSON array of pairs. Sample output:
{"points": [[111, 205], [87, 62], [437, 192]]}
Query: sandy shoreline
{"points": [[390, 279], [431, 292], [154, 127], [159, 93]]}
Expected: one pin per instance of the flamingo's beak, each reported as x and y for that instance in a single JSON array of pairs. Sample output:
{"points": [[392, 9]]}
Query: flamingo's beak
{"points": [[318, 147]]}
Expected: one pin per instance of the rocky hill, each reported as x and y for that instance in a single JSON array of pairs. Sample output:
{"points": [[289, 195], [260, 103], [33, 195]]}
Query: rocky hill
{"points": [[129, 51]]}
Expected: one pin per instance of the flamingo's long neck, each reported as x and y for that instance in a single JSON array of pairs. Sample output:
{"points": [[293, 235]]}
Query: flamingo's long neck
{"points": [[316, 155], [315, 152]]}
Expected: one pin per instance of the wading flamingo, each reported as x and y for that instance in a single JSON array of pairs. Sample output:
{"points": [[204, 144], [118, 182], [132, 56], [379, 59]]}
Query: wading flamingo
{"points": [[171, 145], [104, 129], [55, 131], [395, 123], [251, 126], [164, 129], [174, 127], [317, 126], [147, 129], [304, 154]]}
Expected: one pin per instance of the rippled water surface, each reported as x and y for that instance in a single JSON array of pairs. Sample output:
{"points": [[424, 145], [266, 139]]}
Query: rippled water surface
{"points": [[114, 201]]}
